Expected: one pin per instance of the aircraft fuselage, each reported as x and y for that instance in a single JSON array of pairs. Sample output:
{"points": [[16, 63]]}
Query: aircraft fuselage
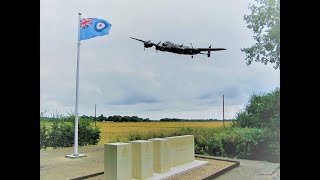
{"points": [[175, 48]]}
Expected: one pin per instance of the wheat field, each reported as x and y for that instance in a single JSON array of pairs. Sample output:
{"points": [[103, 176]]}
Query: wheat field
{"points": [[119, 131]]}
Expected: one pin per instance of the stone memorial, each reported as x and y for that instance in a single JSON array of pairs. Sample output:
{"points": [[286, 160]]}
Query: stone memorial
{"points": [[182, 149], [161, 155], [153, 159], [118, 161], [142, 159]]}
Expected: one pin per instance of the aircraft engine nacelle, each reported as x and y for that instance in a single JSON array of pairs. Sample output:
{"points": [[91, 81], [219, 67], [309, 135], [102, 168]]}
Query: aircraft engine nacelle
{"points": [[147, 45]]}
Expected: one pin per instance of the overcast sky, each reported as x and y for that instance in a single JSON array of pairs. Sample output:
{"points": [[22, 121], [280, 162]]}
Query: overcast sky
{"points": [[122, 79]]}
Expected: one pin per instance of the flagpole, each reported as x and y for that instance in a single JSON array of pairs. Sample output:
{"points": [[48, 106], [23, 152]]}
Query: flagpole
{"points": [[77, 94], [75, 151]]}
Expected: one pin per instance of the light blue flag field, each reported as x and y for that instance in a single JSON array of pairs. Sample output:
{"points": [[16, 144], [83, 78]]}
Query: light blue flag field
{"points": [[93, 27]]}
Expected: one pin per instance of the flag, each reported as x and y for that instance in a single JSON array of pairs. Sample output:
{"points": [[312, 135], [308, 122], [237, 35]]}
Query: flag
{"points": [[93, 27]]}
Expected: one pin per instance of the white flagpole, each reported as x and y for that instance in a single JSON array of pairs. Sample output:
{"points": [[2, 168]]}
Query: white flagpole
{"points": [[75, 152], [77, 94]]}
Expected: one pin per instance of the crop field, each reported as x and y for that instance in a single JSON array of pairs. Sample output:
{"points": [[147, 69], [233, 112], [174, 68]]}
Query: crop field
{"points": [[118, 131]]}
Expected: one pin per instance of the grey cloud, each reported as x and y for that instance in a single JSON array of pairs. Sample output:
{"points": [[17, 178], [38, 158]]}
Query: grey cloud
{"points": [[131, 98]]}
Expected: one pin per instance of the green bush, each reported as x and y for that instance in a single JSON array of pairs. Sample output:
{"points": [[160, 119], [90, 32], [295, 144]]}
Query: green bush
{"points": [[43, 136], [61, 134], [54, 135], [66, 138], [244, 143], [263, 111], [200, 144], [88, 135], [135, 136], [132, 136], [234, 142]]}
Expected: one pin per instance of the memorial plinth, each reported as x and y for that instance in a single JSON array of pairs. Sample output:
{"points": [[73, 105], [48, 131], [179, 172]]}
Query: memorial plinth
{"points": [[142, 159], [182, 149], [118, 161], [161, 155]]}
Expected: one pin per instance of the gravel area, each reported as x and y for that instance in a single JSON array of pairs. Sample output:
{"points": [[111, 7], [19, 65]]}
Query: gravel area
{"points": [[202, 172]]}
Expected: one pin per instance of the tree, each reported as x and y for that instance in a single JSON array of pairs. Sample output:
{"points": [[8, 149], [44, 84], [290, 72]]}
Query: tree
{"points": [[264, 20], [263, 111], [101, 118]]}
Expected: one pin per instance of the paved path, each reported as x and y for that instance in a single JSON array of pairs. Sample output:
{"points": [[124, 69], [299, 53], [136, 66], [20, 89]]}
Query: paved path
{"points": [[253, 170], [55, 166]]}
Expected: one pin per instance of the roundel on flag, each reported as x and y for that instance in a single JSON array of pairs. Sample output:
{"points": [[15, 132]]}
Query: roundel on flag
{"points": [[100, 26]]}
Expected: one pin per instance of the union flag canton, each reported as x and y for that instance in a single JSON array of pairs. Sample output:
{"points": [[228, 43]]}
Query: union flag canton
{"points": [[93, 27], [85, 22]]}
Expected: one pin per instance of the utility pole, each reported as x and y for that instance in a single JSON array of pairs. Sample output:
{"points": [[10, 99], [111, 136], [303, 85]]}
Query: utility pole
{"points": [[95, 117], [223, 109]]}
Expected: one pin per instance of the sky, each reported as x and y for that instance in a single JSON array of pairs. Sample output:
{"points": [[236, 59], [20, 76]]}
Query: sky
{"points": [[121, 78]]}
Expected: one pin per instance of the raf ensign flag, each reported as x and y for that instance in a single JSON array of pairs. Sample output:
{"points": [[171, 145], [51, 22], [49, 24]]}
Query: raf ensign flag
{"points": [[93, 27]]}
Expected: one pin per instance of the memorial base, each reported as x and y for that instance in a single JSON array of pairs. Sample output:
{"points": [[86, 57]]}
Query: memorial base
{"points": [[72, 156], [177, 170]]}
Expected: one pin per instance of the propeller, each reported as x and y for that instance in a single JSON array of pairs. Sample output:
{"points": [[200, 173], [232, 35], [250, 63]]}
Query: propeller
{"points": [[192, 48]]}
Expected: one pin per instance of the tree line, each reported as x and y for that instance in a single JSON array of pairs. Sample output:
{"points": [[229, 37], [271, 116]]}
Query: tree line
{"points": [[118, 118]]}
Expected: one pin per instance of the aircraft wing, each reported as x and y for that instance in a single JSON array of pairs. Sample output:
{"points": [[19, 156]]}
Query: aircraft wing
{"points": [[209, 49], [148, 42]]}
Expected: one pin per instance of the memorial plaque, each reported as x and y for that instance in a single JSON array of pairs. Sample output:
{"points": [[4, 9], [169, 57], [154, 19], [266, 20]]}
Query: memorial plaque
{"points": [[118, 161]]}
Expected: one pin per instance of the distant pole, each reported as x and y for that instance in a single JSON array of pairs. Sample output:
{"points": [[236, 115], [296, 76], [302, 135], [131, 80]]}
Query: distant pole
{"points": [[95, 117], [75, 151], [223, 109]]}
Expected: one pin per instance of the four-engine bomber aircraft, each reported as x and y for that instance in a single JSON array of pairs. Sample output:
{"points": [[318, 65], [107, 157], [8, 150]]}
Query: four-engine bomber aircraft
{"points": [[178, 49]]}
